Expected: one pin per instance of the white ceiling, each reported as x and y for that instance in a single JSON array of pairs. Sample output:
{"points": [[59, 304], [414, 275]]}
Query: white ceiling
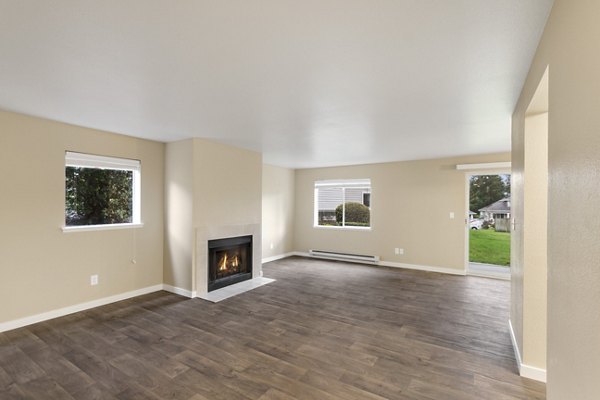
{"points": [[308, 83]]}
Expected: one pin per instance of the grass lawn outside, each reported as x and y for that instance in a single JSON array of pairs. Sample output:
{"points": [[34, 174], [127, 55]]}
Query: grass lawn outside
{"points": [[489, 247]]}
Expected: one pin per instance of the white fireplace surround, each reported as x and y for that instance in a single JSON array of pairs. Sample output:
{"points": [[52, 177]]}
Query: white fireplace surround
{"points": [[205, 233]]}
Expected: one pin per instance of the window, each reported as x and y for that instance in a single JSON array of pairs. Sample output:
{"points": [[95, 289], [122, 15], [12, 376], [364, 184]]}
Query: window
{"points": [[101, 191], [343, 203]]}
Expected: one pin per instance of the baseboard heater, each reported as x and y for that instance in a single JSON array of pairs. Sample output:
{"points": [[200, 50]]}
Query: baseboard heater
{"points": [[330, 255]]}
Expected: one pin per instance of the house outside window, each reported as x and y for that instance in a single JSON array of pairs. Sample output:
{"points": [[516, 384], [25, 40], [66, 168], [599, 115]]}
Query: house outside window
{"points": [[343, 204], [101, 191], [497, 210], [366, 200]]}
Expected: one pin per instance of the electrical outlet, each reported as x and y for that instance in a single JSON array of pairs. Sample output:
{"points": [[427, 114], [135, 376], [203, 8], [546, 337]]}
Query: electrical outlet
{"points": [[272, 245], [399, 251], [94, 280], [451, 215]]}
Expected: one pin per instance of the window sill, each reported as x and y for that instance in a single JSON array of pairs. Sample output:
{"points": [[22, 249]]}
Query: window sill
{"points": [[343, 228], [107, 227]]}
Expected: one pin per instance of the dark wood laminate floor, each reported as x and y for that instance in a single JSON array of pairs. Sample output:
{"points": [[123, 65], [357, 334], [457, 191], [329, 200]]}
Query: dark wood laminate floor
{"points": [[324, 330]]}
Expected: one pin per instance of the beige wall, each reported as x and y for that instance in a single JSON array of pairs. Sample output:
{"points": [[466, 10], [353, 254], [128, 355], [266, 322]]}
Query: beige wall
{"points": [[277, 210], [210, 189], [516, 247], [227, 184], [179, 198], [410, 203], [569, 47], [535, 225], [42, 268], [227, 201], [528, 314]]}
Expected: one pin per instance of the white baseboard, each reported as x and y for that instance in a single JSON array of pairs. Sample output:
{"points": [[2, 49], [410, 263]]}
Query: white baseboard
{"points": [[526, 371], [179, 291], [61, 312], [302, 254], [488, 271], [491, 275], [537, 374], [277, 257], [426, 268], [513, 339]]}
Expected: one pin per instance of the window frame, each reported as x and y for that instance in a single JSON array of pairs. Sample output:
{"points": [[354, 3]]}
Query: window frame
{"points": [[342, 184], [85, 160]]}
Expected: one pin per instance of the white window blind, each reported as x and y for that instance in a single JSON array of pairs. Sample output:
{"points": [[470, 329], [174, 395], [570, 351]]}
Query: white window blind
{"points": [[73, 159]]}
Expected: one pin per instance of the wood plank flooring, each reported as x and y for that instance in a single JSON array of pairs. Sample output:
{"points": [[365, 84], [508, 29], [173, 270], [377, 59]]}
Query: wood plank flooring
{"points": [[324, 330]]}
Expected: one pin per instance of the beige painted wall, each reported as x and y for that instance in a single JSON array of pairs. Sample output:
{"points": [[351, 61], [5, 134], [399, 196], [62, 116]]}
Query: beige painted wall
{"points": [[410, 203], [179, 198], [516, 246], [227, 201], [227, 184], [535, 226], [42, 268], [569, 47], [209, 186], [528, 315], [278, 186]]}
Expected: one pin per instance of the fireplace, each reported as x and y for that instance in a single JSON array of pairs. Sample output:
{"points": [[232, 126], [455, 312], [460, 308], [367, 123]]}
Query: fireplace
{"points": [[229, 261]]}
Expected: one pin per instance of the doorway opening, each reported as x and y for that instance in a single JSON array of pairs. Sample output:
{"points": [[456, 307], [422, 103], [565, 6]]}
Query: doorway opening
{"points": [[489, 224]]}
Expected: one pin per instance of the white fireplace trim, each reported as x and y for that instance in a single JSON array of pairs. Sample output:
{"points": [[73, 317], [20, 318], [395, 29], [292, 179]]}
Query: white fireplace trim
{"points": [[205, 233]]}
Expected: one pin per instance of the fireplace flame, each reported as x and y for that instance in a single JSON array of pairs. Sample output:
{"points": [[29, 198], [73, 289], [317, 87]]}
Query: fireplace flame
{"points": [[228, 262], [223, 264]]}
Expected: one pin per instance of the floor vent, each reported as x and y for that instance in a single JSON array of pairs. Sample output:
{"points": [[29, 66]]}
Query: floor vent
{"points": [[330, 255]]}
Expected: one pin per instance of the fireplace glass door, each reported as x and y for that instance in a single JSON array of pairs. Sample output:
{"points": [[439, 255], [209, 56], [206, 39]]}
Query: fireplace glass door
{"points": [[229, 261]]}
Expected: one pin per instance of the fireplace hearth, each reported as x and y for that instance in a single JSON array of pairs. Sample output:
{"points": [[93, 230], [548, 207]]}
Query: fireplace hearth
{"points": [[229, 261]]}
